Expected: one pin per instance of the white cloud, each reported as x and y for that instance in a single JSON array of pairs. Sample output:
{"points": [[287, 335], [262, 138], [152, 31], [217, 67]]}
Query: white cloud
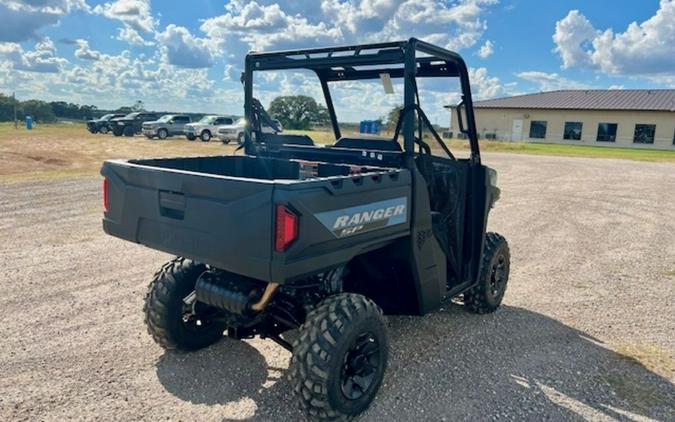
{"points": [[132, 37], [182, 49], [483, 85], [42, 59], [265, 26], [644, 49], [486, 50], [551, 81], [84, 52], [136, 15], [21, 20]]}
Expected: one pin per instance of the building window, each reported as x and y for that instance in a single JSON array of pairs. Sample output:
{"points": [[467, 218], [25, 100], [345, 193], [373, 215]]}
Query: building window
{"points": [[644, 134], [572, 131], [538, 129], [606, 132]]}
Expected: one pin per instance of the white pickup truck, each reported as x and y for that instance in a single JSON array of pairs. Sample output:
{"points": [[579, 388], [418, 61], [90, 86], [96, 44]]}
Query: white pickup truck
{"points": [[206, 128], [235, 131]]}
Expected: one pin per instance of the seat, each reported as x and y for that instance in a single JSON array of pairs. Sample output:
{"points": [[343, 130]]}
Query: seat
{"points": [[277, 140], [374, 144]]}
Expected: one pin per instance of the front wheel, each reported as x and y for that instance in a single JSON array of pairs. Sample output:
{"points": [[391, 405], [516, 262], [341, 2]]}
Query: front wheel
{"points": [[240, 139], [205, 136], [339, 357], [190, 137], [162, 134], [172, 323], [487, 295], [128, 131], [103, 129]]}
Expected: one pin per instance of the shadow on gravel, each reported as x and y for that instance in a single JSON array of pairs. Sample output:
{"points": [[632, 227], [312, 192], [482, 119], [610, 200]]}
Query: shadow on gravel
{"points": [[514, 364]]}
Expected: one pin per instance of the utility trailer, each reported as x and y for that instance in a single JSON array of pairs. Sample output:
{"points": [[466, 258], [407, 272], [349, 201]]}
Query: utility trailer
{"points": [[319, 239]]}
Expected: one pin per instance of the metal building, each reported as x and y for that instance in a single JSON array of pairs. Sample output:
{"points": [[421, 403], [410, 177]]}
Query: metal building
{"points": [[642, 118]]}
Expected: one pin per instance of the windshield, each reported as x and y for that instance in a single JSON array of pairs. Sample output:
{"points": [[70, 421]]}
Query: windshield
{"points": [[207, 120], [107, 117], [165, 118], [131, 115]]}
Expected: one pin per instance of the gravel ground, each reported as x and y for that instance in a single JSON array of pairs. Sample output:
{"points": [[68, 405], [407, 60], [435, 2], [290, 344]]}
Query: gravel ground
{"points": [[586, 331]]}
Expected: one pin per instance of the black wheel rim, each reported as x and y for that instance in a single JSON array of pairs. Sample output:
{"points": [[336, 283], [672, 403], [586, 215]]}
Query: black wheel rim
{"points": [[498, 276], [360, 366]]}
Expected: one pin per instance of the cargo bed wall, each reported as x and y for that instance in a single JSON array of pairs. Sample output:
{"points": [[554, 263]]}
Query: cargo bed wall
{"points": [[237, 166], [340, 218], [226, 223]]}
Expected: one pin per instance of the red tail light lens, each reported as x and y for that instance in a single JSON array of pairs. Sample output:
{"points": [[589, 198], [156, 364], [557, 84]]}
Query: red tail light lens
{"points": [[286, 230], [106, 197]]}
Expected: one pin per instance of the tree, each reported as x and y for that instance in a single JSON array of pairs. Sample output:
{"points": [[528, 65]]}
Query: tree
{"points": [[40, 111], [392, 117], [298, 112], [138, 106]]}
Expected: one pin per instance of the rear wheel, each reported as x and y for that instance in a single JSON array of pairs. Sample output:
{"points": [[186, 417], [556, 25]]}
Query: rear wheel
{"points": [[339, 357], [494, 276], [162, 133], [117, 131], [128, 131], [205, 136], [172, 323]]}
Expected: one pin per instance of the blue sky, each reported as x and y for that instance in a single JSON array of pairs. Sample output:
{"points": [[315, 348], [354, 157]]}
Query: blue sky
{"points": [[187, 55]]}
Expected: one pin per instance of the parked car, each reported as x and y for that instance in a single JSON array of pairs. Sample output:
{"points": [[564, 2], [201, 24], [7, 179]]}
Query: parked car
{"points": [[102, 124], [131, 124], [235, 131], [206, 127], [165, 126]]}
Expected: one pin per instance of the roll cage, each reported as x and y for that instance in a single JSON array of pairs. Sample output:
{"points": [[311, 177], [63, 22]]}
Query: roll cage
{"points": [[400, 59]]}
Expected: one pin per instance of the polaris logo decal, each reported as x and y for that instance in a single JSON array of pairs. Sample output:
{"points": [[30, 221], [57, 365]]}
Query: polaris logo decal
{"points": [[363, 218]]}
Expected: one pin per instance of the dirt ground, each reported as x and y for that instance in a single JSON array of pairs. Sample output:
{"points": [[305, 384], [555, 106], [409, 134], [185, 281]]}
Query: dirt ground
{"points": [[586, 330]]}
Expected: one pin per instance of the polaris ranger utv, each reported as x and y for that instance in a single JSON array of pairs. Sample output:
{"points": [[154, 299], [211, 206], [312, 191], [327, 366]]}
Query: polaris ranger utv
{"points": [[322, 239]]}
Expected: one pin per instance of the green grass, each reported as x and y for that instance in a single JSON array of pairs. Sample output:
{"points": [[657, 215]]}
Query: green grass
{"points": [[590, 151]]}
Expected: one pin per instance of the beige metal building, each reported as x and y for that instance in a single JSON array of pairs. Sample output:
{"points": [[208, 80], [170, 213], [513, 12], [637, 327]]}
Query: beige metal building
{"points": [[626, 118]]}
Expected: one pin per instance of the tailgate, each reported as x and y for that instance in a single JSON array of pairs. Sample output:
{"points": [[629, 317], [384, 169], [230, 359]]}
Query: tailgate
{"points": [[218, 220]]}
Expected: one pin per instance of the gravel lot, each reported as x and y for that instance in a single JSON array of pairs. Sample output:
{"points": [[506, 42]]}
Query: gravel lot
{"points": [[587, 330]]}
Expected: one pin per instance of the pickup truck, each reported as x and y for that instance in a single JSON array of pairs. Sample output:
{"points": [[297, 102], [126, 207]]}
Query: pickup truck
{"points": [[206, 128], [165, 126], [131, 124], [102, 124], [319, 239], [235, 131]]}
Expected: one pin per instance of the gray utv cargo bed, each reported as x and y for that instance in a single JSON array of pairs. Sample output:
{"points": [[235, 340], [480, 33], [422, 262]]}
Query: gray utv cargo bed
{"points": [[221, 210]]}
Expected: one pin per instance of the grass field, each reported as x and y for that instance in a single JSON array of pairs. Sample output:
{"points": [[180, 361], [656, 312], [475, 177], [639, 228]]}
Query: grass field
{"points": [[68, 149]]}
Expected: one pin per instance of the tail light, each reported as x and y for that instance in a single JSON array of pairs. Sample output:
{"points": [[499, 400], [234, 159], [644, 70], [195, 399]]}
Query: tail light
{"points": [[286, 230], [106, 195]]}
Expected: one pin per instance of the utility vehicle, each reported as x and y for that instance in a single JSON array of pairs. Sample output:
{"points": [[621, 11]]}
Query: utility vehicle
{"points": [[322, 239]]}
